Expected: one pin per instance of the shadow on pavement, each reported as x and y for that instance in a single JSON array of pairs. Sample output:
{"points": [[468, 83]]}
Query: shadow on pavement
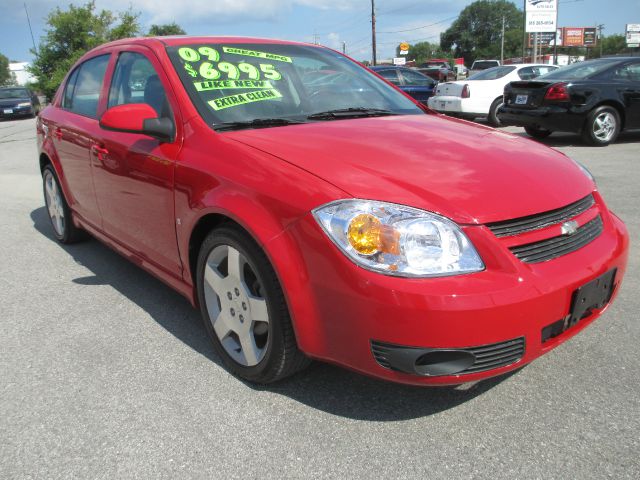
{"points": [[322, 386]]}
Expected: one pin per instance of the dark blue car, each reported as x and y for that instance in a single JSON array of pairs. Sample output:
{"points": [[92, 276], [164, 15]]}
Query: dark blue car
{"points": [[416, 84]]}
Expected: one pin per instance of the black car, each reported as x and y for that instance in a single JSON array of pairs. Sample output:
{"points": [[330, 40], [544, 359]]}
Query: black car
{"points": [[18, 102], [596, 98], [416, 84]]}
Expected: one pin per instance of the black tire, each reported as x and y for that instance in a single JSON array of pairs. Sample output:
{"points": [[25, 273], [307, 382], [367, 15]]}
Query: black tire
{"points": [[594, 124], [538, 133], [493, 119], [282, 357], [65, 232]]}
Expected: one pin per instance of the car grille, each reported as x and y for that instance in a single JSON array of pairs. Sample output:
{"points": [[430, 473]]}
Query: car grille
{"points": [[557, 246], [487, 357], [536, 222]]}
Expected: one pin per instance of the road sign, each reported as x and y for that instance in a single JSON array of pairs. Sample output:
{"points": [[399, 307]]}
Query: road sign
{"points": [[399, 61]]}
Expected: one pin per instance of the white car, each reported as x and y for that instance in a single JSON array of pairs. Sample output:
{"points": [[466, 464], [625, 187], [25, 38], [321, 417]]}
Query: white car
{"points": [[481, 94]]}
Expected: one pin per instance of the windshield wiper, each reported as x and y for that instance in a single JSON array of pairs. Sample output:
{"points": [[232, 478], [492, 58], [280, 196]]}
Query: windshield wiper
{"points": [[350, 113], [255, 123]]}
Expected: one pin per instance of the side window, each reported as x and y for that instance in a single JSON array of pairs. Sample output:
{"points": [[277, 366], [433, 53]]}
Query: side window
{"points": [[629, 73], [414, 79], [390, 75], [67, 100], [526, 73], [83, 89], [136, 81]]}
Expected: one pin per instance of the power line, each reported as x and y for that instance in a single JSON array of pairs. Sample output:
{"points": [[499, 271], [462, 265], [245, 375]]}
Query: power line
{"points": [[423, 26]]}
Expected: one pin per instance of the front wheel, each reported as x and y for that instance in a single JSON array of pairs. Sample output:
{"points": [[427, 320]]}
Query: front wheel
{"points": [[244, 308], [602, 126], [538, 133], [494, 121]]}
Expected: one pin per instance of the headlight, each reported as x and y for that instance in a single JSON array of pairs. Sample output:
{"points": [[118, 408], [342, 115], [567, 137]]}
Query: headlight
{"points": [[24, 104], [398, 240]]}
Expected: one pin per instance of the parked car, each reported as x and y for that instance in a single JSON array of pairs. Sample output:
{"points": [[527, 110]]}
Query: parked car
{"points": [[480, 65], [439, 70], [597, 99], [351, 226], [414, 83], [18, 102], [481, 94]]}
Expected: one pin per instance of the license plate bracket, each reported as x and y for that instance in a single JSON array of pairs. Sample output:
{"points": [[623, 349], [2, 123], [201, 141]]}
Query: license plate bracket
{"points": [[8, 110], [521, 99], [591, 296]]}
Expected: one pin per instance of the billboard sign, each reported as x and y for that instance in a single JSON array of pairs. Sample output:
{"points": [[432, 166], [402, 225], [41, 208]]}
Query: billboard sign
{"points": [[546, 39], [633, 34], [541, 15], [579, 37]]}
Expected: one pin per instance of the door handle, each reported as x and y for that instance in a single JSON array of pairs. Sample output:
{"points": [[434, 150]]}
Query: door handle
{"points": [[99, 151]]}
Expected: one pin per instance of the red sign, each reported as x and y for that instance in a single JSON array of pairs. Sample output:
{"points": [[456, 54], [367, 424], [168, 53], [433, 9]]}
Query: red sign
{"points": [[573, 37]]}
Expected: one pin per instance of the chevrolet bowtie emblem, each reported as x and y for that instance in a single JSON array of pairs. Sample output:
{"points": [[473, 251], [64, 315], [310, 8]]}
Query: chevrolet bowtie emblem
{"points": [[569, 228]]}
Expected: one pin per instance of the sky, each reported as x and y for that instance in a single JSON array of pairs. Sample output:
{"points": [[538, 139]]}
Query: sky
{"points": [[330, 22]]}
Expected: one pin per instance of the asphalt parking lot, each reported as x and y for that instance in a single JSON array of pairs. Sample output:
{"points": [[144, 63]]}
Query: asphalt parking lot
{"points": [[107, 373]]}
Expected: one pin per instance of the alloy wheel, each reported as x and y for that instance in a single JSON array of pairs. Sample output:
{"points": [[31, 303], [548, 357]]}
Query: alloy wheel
{"points": [[604, 126], [237, 308], [53, 198]]}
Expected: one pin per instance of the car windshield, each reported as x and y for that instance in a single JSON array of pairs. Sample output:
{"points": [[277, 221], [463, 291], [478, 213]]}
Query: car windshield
{"points": [[580, 70], [6, 93], [492, 73], [230, 82]]}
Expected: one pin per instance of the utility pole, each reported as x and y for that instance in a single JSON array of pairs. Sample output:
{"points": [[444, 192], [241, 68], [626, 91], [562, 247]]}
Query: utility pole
{"points": [[502, 44], [524, 27], [535, 47], [600, 29], [344, 48], [315, 38], [373, 33], [35, 50]]}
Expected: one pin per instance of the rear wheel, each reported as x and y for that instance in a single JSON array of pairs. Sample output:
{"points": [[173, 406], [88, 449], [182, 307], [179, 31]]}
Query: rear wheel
{"points": [[494, 121], [602, 126], [59, 212], [244, 309], [538, 133]]}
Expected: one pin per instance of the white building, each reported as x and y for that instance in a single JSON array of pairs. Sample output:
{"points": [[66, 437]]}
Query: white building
{"points": [[20, 73]]}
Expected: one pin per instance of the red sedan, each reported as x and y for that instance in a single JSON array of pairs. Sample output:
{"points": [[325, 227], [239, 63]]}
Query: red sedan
{"points": [[334, 220]]}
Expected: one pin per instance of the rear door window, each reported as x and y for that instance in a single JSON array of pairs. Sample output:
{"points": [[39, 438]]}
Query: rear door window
{"points": [[82, 91], [415, 79], [389, 74]]}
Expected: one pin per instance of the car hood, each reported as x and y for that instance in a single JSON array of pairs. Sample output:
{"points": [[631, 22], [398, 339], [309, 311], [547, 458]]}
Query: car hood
{"points": [[467, 172]]}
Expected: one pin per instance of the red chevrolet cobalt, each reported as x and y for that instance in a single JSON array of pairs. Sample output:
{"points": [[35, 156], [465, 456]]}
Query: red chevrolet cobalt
{"points": [[311, 210]]}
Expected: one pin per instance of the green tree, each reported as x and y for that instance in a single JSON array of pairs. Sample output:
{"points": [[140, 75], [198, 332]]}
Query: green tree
{"points": [[5, 74], [70, 34], [423, 51], [165, 30], [478, 29], [612, 45]]}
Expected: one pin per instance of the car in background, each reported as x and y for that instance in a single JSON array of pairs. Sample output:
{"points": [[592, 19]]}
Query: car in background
{"points": [[480, 65], [410, 81], [481, 94], [596, 98], [18, 102], [438, 69]]}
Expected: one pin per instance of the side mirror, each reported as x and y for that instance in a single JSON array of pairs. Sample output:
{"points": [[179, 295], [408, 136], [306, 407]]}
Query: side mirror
{"points": [[137, 118]]}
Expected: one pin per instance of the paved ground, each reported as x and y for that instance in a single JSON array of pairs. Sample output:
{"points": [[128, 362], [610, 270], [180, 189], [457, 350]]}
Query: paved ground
{"points": [[106, 373]]}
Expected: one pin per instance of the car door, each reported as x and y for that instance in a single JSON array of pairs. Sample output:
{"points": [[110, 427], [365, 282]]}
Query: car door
{"points": [[628, 79], [134, 173], [70, 126]]}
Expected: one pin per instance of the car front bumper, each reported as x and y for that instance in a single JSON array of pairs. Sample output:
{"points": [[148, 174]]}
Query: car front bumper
{"points": [[357, 314], [14, 112]]}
